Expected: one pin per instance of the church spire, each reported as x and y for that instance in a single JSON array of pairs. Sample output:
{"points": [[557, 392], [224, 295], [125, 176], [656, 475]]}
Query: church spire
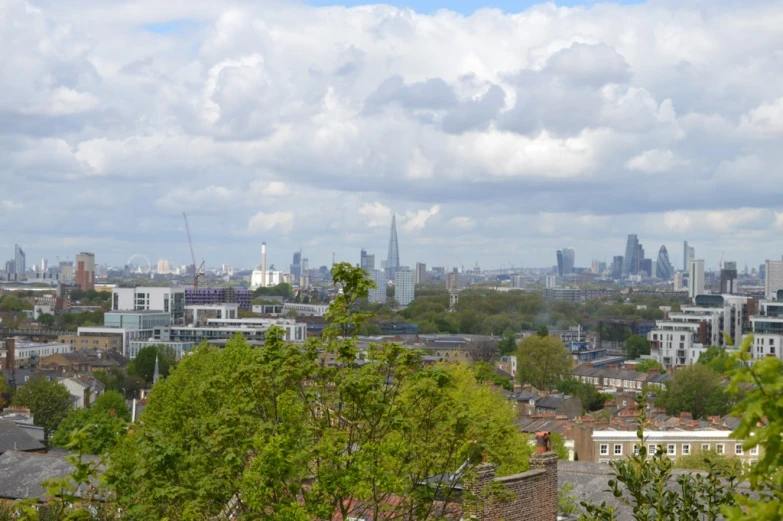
{"points": [[393, 258]]}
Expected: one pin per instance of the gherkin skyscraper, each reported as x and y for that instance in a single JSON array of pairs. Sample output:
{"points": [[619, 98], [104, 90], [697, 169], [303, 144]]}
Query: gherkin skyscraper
{"points": [[664, 269], [393, 258]]}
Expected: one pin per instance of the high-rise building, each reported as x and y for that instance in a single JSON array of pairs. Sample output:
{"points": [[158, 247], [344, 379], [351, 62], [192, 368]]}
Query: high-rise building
{"points": [[44, 265], [20, 262], [595, 266], [404, 287], [646, 267], [617, 266], [67, 273], [164, 267], [296, 266], [728, 278], [685, 258], [393, 257], [421, 272], [377, 295], [696, 278], [631, 259], [367, 261], [691, 254], [773, 278], [85, 271], [569, 257], [678, 281], [663, 268], [560, 263]]}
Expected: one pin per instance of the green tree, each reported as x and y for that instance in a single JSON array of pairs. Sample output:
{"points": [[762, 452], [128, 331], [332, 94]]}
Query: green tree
{"points": [[696, 389], [648, 363], [708, 459], [5, 392], [46, 319], [144, 363], [559, 446], [717, 359], [543, 331], [485, 372], [275, 434], [542, 361], [103, 423], [761, 426], [592, 399], [49, 401], [507, 345], [636, 346], [642, 483], [283, 289]]}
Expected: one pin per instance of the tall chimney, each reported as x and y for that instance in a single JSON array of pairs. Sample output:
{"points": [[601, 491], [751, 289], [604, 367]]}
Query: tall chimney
{"points": [[10, 353], [263, 264]]}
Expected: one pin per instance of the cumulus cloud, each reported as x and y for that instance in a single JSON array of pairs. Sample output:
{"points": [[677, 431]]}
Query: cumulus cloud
{"points": [[317, 124], [264, 222]]}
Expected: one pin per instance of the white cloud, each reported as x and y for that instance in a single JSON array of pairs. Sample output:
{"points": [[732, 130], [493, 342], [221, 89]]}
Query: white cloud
{"points": [[10, 206], [264, 222], [416, 220], [765, 121], [375, 214], [655, 161], [270, 188], [463, 222]]}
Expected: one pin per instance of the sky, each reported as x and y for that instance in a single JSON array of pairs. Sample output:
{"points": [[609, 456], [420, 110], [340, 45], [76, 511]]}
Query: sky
{"points": [[496, 135]]}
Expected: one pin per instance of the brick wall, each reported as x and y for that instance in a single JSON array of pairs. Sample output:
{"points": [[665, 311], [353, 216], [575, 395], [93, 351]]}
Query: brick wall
{"points": [[529, 496]]}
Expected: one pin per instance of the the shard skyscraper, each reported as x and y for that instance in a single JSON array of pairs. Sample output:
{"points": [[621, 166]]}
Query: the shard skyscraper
{"points": [[393, 259]]}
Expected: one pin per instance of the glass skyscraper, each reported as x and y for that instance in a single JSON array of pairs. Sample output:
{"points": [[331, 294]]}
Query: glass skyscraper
{"points": [[664, 270], [393, 258]]}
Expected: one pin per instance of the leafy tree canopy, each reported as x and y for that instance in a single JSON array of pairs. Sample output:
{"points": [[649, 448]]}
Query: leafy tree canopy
{"points": [[592, 399], [144, 363], [542, 361], [636, 346], [648, 363], [103, 423], [49, 401], [696, 389]]}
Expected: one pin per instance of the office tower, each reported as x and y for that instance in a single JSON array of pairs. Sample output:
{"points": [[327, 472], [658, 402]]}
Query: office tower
{"points": [[691, 254], [595, 266], [696, 278], [305, 265], [20, 262], [296, 266], [452, 281], [164, 267], [617, 266], [393, 258], [560, 263], [421, 272], [645, 267], [773, 279], [663, 268], [685, 258], [44, 265], [569, 256], [377, 295], [404, 287], [367, 261], [67, 273], [631, 260], [728, 278], [762, 271], [85, 271]]}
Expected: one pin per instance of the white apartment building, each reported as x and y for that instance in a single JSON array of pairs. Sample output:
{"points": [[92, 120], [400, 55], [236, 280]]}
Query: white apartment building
{"points": [[169, 300], [265, 278], [26, 353], [773, 281], [306, 310], [253, 329], [683, 336], [404, 287], [377, 295], [696, 278], [767, 331], [200, 314]]}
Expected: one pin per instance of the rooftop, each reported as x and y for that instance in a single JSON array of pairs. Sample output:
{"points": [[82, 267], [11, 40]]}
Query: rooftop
{"points": [[13, 437]]}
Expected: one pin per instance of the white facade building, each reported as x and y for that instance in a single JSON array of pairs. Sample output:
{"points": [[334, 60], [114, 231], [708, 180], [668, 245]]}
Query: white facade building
{"points": [[773, 280], [83, 391], [27, 352], [377, 295], [404, 287], [164, 267], [127, 335], [696, 278], [273, 278], [169, 300], [306, 310]]}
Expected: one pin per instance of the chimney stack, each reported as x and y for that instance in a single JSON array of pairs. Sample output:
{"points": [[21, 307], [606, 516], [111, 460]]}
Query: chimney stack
{"points": [[263, 264], [10, 353]]}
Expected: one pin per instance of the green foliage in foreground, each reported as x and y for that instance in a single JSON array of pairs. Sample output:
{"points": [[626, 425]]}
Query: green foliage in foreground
{"points": [[104, 423]]}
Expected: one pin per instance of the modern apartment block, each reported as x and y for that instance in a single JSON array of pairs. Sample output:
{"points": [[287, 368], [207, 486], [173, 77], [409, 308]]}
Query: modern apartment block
{"points": [[85, 271], [404, 287], [773, 280], [168, 300], [229, 295], [377, 295]]}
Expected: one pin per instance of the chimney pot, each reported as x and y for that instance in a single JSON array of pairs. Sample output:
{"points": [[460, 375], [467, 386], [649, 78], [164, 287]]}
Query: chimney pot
{"points": [[543, 442]]}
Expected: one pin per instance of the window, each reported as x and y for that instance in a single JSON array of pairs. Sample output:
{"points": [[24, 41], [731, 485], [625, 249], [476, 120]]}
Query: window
{"points": [[671, 449], [738, 449], [635, 449], [618, 449], [652, 449], [686, 449], [604, 449], [705, 446], [719, 448], [754, 451]]}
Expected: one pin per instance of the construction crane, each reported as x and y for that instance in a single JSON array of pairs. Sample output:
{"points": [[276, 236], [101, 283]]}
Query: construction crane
{"points": [[197, 271]]}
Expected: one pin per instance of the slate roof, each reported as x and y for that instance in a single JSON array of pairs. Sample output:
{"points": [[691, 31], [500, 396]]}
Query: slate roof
{"points": [[14, 437], [552, 401], [21, 473]]}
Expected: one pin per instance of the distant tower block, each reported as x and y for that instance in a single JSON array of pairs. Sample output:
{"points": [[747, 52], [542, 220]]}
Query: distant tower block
{"points": [[453, 299]]}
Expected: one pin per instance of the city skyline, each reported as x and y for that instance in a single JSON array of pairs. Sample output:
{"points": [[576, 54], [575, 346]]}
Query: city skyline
{"points": [[501, 150]]}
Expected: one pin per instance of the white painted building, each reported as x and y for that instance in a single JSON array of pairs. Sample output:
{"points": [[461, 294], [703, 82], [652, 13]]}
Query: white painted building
{"points": [[167, 299], [306, 310], [199, 314], [27, 352], [696, 278], [773, 280], [404, 287], [377, 295], [273, 278], [84, 391]]}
